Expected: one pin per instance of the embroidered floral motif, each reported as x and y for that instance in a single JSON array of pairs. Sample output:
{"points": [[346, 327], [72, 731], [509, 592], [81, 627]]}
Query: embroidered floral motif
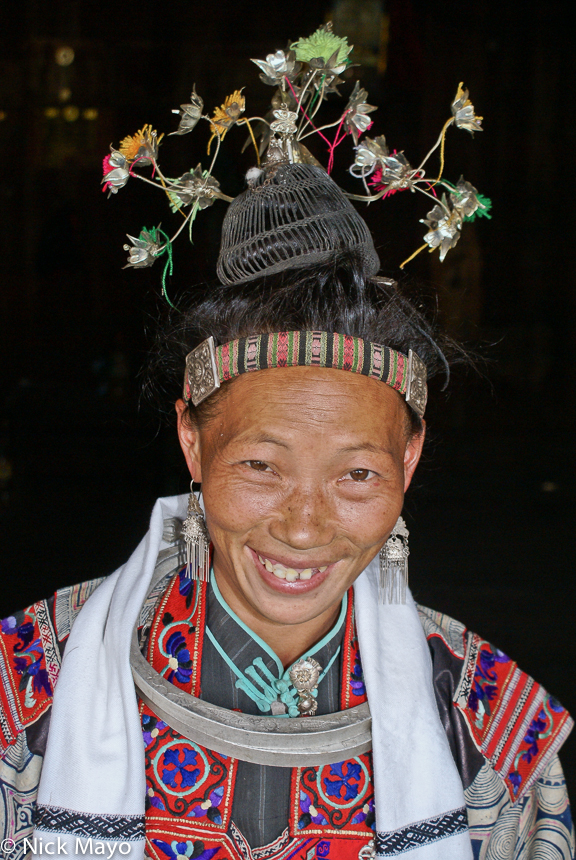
{"points": [[539, 730], [536, 729], [179, 662], [357, 677], [336, 797], [184, 779], [484, 688], [345, 786], [175, 641], [28, 659], [366, 814], [209, 807], [309, 812], [151, 728], [179, 770], [186, 850]]}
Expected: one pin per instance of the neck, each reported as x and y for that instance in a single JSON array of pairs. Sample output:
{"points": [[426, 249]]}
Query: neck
{"points": [[288, 641]]}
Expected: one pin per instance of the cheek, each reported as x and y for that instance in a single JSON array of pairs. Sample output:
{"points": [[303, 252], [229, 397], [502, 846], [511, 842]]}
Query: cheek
{"points": [[369, 522], [232, 505]]}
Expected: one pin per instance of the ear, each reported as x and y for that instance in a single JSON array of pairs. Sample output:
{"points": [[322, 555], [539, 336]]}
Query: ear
{"points": [[189, 437], [412, 454]]}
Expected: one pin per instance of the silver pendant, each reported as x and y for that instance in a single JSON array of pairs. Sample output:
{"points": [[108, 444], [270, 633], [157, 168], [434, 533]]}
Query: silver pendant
{"points": [[368, 852], [304, 677]]}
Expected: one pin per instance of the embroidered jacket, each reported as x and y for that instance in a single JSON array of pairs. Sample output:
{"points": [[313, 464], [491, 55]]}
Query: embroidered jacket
{"points": [[503, 728]]}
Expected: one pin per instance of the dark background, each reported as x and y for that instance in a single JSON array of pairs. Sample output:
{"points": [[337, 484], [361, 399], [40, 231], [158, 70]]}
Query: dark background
{"points": [[492, 510]]}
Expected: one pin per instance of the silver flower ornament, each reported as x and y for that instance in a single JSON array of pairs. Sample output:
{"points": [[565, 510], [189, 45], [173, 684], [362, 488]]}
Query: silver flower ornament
{"points": [[276, 67], [444, 226], [463, 112], [117, 175], [465, 199], [189, 113], [117, 179], [396, 171], [143, 251], [194, 187], [357, 110], [369, 154], [331, 66]]}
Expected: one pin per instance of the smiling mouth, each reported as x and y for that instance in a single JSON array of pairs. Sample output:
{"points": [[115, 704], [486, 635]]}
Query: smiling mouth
{"points": [[290, 574]]}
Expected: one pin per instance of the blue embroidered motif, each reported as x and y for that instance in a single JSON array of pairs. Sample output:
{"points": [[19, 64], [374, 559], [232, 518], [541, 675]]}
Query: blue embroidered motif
{"points": [[28, 657], [209, 809], [186, 850], [188, 773], [179, 662], [335, 787], [357, 678]]}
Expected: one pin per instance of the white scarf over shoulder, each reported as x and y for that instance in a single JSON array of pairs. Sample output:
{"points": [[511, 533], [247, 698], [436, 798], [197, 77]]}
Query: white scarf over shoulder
{"points": [[93, 780]]}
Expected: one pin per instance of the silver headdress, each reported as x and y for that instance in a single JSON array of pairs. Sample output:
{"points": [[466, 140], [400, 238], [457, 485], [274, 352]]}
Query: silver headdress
{"points": [[292, 213]]}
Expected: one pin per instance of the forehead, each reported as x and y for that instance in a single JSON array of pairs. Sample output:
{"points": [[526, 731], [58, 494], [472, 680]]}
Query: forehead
{"points": [[308, 400]]}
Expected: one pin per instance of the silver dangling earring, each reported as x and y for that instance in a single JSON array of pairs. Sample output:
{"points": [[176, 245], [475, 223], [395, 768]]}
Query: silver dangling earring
{"points": [[394, 565], [197, 540]]}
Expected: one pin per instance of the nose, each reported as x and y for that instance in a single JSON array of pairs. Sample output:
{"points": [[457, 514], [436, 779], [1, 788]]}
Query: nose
{"points": [[305, 520]]}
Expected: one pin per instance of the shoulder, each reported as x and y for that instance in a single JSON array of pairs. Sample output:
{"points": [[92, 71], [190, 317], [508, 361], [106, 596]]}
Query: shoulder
{"points": [[511, 720], [32, 642]]}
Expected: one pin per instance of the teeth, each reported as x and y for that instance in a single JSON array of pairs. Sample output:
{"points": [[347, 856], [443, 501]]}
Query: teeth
{"points": [[289, 573]]}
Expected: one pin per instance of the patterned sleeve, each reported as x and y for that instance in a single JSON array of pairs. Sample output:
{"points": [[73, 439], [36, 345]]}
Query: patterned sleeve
{"points": [[29, 664], [514, 722], [538, 825], [31, 646], [505, 731]]}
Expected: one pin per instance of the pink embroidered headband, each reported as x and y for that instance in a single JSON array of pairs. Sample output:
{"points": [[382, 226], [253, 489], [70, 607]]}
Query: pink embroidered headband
{"points": [[207, 366]]}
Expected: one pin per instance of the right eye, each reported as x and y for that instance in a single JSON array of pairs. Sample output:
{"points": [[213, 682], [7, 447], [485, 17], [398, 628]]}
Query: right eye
{"points": [[258, 465]]}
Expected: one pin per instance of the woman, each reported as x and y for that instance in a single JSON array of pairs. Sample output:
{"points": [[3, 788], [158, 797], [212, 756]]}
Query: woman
{"points": [[293, 700]]}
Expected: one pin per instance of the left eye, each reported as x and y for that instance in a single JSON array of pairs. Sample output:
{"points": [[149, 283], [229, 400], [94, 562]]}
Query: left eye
{"points": [[360, 474]]}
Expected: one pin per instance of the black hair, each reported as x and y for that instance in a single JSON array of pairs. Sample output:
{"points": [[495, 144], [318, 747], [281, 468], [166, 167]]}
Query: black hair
{"points": [[336, 296]]}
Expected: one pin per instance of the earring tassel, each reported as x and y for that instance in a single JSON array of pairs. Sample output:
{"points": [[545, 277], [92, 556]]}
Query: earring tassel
{"points": [[394, 565], [197, 539]]}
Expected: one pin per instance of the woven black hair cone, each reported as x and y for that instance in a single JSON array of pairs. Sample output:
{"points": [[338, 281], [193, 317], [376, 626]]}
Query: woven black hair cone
{"points": [[292, 215]]}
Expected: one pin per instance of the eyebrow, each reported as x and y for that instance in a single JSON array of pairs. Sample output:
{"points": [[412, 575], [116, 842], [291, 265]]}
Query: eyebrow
{"points": [[264, 438], [365, 446]]}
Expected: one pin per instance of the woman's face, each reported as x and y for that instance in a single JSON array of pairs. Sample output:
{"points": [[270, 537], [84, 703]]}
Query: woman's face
{"points": [[303, 474]]}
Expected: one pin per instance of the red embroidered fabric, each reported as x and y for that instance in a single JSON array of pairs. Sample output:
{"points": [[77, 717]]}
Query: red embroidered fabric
{"points": [[29, 666], [513, 720]]}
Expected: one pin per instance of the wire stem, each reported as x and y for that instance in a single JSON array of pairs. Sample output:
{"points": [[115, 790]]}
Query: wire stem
{"points": [[415, 254], [247, 122]]}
